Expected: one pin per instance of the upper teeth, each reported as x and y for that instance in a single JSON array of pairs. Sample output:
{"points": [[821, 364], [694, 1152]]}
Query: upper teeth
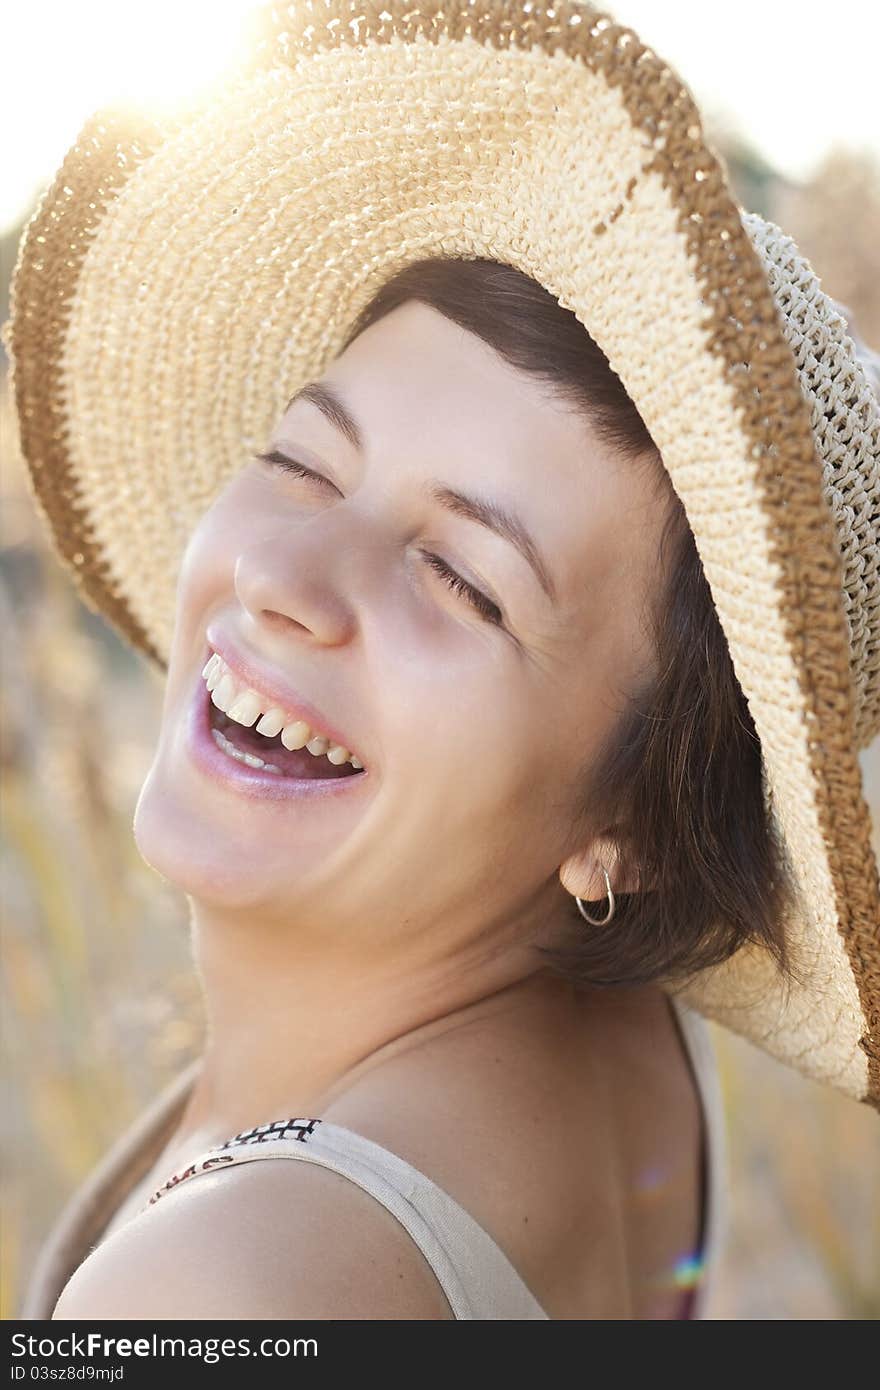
{"points": [[243, 704]]}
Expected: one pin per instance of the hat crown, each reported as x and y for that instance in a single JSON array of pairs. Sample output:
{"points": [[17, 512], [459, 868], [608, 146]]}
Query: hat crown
{"points": [[839, 376]]}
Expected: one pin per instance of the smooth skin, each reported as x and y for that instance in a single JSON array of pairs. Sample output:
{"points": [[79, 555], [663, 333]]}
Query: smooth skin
{"points": [[368, 959]]}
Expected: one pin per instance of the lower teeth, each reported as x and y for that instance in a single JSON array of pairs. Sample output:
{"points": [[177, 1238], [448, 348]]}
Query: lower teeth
{"points": [[249, 758]]}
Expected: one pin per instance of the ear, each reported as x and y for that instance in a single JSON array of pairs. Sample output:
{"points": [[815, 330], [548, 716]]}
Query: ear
{"points": [[582, 876]]}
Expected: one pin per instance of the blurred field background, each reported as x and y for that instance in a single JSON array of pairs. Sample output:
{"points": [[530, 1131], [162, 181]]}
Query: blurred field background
{"points": [[100, 1004]]}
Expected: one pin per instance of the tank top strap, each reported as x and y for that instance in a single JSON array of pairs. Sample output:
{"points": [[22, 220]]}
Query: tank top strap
{"points": [[700, 1048], [477, 1278], [475, 1274]]}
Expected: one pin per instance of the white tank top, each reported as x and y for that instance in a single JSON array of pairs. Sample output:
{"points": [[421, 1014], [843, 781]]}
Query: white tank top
{"points": [[476, 1276]]}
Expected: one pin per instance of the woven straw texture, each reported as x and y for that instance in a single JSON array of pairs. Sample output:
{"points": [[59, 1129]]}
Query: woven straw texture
{"points": [[177, 284]]}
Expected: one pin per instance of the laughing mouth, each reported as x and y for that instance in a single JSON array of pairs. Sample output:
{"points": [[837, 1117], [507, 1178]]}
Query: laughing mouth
{"points": [[253, 729], [268, 754]]}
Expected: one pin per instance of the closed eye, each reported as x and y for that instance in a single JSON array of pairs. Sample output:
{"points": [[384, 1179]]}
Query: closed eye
{"points": [[289, 465], [475, 597], [489, 610]]}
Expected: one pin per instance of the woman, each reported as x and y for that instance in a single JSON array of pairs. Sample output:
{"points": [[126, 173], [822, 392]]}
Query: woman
{"points": [[514, 682]]}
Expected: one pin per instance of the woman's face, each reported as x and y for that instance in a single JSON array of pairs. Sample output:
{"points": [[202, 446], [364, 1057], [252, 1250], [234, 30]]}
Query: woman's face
{"points": [[473, 731]]}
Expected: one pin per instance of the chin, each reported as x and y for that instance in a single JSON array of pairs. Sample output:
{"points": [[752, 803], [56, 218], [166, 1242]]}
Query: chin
{"points": [[178, 845], [207, 860]]}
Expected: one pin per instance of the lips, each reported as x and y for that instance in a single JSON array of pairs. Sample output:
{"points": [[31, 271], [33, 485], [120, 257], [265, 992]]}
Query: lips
{"points": [[252, 672], [255, 784]]}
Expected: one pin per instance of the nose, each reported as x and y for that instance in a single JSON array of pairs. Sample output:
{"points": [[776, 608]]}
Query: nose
{"points": [[299, 580]]}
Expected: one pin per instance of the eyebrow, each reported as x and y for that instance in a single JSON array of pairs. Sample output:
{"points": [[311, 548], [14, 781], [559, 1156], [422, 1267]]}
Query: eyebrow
{"points": [[482, 510]]}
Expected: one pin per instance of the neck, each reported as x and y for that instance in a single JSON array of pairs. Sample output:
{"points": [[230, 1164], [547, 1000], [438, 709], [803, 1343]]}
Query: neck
{"points": [[292, 1022]]}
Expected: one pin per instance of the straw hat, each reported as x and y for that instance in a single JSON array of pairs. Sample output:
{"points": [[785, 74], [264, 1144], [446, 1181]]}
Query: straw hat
{"points": [[180, 279]]}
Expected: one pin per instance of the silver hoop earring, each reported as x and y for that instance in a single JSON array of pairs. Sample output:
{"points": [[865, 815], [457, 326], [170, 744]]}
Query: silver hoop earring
{"points": [[610, 912]]}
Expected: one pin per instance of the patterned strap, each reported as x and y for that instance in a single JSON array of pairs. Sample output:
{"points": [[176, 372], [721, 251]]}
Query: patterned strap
{"points": [[474, 1273], [295, 1129]]}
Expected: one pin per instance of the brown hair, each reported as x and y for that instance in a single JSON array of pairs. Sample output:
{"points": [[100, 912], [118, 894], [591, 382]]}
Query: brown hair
{"points": [[679, 777]]}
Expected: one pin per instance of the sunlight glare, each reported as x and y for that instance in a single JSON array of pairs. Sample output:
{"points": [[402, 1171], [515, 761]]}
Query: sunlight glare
{"points": [[74, 59]]}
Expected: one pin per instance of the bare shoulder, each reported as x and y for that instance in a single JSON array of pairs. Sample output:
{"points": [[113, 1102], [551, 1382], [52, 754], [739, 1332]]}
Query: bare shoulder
{"points": [[506, 1114], [265, 1240], [540, 1121]]}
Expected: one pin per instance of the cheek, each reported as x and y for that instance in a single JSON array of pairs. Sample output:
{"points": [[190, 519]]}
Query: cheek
{"points": [[469, 729], [547, 734], [203, 585], [213, 543], [209, 558]]}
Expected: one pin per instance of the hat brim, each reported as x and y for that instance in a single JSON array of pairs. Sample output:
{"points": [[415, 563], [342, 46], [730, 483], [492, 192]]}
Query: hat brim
{"points": [[179, 282]]}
